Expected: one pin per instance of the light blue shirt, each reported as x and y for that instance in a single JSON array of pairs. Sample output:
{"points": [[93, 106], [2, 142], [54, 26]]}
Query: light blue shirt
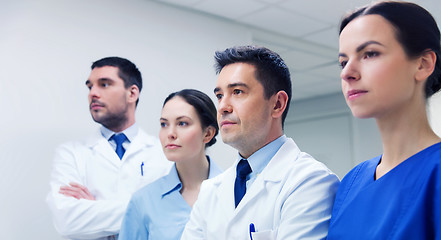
{"points": [[130, 133], [158, 210], [260, 159]]}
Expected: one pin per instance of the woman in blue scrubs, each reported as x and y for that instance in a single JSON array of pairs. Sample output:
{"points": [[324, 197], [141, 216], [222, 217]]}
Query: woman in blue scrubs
{"points": [[161, 209], [390, 58]]}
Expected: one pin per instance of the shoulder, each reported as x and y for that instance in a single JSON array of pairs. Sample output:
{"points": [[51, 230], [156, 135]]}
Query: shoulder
{"points": [[361, 170], [149, 191], [299, 172], [215, 170], [430, 161], [354, 179], [213, 183], [87, 142], [433, 154], [301, 163]]}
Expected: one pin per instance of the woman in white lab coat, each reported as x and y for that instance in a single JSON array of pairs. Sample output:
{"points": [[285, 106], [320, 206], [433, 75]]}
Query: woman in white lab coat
{"points": [[161, 209]]}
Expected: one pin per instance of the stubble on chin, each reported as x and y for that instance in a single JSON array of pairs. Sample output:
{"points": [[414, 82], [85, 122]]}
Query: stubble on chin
{"points": [[110, 121]]}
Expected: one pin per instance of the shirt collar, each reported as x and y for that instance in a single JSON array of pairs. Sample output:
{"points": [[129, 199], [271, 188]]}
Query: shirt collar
{"points": [[263, 156], [173, 183], [130, 132]]}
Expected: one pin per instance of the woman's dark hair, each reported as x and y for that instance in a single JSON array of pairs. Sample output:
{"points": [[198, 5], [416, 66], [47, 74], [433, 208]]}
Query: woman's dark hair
{"points": [[415, 29], [204, 108]]}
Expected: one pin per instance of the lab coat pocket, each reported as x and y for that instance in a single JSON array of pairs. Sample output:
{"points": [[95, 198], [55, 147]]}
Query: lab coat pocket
{"points": [[264, 235]]}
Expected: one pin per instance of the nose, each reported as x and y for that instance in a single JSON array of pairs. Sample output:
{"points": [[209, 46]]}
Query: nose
{"points": [[350, 72], [224, 106], [172, 133], [93, 93]]}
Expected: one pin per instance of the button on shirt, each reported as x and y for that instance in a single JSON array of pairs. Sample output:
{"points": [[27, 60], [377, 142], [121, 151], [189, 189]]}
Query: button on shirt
{"points": [[158, 211], [260, 159]]}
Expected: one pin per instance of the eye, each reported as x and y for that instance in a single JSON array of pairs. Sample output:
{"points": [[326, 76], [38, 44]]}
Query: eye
{"points": [[343, 64], [89, 87], [104, 84], [371, 54], [237, 91], [163, 124], [182, 123], [219, 96]]}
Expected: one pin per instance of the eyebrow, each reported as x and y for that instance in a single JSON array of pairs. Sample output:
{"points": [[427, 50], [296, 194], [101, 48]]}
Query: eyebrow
{"points": [[100, 80], [178, 118], [232, 85], [361, 47]]}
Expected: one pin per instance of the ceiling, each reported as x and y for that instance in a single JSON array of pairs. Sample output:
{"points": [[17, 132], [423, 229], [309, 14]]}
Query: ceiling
{"points": [[306, 30]]}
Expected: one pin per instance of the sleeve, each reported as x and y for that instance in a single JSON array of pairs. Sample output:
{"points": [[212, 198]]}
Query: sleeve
{"points": [[196, 226], [80, 219], [133, 225], [306, 212]]}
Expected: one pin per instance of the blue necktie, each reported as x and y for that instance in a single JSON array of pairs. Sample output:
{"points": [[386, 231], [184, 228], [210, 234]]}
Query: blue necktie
{"points": [[119, 139], [240, 186]]}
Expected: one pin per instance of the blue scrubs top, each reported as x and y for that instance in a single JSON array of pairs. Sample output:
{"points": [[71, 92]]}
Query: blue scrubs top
{"points": [[405, 203], [158, 210]]}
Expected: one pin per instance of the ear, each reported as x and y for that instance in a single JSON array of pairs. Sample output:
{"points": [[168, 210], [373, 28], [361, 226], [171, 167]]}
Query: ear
{"points": [[426, 65], [280, 102], [209, 134], [133, 93]]}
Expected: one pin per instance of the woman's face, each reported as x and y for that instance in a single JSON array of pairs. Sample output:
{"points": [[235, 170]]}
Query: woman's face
{"points": [[377, 76], [181, 133]]}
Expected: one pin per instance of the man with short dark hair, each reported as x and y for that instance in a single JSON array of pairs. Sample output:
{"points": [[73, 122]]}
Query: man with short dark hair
{"points": [[273, 190], [93, 180]]}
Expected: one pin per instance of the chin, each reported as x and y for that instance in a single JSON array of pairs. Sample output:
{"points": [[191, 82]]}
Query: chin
{"points": [[361, 115]]}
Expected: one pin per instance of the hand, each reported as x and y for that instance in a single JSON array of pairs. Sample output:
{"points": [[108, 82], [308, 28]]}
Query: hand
{"points": [[77, 191]]}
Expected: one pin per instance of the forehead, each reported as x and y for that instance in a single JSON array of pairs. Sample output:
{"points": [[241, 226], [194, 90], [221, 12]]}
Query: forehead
{"points": [[106, 72], [367, 28], [237, 73], [178, 107]]}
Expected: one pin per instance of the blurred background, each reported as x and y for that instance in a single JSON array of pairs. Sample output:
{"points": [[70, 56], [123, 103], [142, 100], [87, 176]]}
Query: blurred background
{"points": [[47, 47]]}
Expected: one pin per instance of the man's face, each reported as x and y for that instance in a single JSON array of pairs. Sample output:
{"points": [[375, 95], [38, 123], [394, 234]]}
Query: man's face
{"points": [[108, 98], [244, 115]]}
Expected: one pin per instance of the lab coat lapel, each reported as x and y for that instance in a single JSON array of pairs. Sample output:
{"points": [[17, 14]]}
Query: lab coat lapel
{"points": [[273, 172], [139, 142], [225, 193], [99, 145]]}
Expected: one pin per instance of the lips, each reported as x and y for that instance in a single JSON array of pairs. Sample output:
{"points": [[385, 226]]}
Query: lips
{"points": [[226, 123], [353, 94], [172, 146], [96, 105]]}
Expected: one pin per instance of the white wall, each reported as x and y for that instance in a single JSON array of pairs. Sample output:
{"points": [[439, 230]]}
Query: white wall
{"points": [[325, 128], [46, 50]]}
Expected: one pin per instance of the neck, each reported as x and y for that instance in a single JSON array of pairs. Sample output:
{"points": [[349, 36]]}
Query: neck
{"points": [[193, 172], [404, 133], [123, 124], [122, 127], [250, 147]]}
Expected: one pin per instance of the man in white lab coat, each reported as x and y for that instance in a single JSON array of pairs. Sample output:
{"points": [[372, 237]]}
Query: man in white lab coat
{"points": [[93, 180], [273, 190]]}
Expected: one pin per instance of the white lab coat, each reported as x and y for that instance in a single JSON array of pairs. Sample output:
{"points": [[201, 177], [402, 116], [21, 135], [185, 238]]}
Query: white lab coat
{"points": [[292, 198], [94, 164]]}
